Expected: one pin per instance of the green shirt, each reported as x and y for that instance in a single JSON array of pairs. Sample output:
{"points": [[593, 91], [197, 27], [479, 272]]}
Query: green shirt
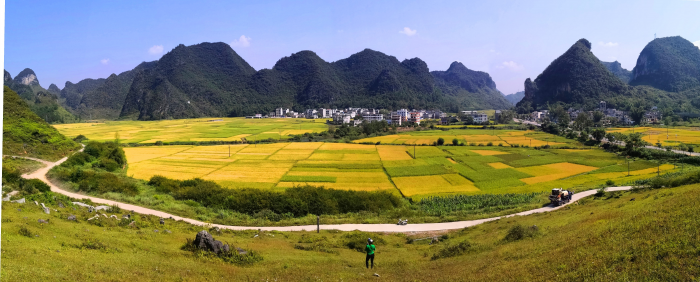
{"points": [[370, 249]]}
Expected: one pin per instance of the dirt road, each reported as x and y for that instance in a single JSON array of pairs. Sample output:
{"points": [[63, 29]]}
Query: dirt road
{"points": [[421, 227]]}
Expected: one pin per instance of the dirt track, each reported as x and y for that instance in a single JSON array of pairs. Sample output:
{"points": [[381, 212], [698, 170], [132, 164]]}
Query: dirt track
{"points": [[420, 227]]}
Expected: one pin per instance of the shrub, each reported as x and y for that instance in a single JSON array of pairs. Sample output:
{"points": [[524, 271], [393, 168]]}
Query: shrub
{"points": [[80, 138], [159, 143], [610, 183], [453, 250], [489, 144], [24, 231], [297, 201], [519, 232], [79, 158], [30, 185], [455, 142], [357, 240]]}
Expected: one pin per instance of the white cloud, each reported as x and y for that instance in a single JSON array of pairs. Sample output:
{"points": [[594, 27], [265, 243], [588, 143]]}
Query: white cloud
{"points": [[155, 50], [609, 44], [408, 31], [242, 41], [697, 43], [513, 66], [104, 61]]}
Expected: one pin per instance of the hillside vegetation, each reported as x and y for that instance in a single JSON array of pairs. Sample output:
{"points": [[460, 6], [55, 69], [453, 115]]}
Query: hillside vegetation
{"points": [[26, 134], [211, 79], [605, 238], [669, 63], [45, 103], [578, 79]]}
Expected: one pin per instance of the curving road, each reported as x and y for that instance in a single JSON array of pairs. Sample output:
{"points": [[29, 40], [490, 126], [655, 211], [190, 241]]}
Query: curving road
{"points": [[420, 227]]}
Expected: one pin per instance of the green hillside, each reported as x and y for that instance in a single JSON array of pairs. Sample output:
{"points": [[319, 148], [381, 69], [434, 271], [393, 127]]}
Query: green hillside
{"points": [[578, 79], [616, 69], [669, 63], [26, 134], [44, 103], [623, 236], [210, 79]]}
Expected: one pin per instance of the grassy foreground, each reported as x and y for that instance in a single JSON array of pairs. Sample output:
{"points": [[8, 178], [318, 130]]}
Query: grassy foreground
{"points": [[652, 238]]}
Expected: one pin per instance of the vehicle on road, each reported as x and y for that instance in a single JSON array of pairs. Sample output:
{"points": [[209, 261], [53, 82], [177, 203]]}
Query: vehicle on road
{"points": [[560, 196]]}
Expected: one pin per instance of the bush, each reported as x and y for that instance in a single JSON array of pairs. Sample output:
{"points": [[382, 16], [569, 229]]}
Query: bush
{"points": [[24, 231], [30, 185], [455, 142], [489, 144], [440, 141], [79, 158], [357, 240], [297, 201], [519, 232], [159, 143], [453, 250], [610, 183]]}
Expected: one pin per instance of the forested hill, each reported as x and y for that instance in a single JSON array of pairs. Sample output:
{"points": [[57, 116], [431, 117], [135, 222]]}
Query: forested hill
{"points": [[515, 97], [616, 69], [211, 79], [670, 63], [42, 102], [578, 79], [25, 133]]}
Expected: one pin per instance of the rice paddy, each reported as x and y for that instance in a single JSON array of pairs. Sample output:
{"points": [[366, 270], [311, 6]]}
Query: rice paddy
{"points": [[412, 171], [200, 129], [666, 136], [473, 137]]}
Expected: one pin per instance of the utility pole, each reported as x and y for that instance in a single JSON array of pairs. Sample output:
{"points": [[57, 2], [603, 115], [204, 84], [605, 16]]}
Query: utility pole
{"points": [[229, 150], [318, 224]]}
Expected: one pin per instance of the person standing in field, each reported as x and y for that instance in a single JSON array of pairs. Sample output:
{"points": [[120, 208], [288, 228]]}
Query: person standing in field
{"points": [[370, 249]]}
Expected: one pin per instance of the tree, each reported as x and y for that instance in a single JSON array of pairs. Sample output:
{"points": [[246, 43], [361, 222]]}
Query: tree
{"points": [[634, 141], [598, 134], [467, 119], [440, 141], [455, 142], [637, 115], [582, 122], [560, 115], [598, 116]]}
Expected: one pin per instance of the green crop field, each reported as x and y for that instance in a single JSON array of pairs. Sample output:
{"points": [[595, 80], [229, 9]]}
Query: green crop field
{"points": [[417, 172], [473, 136], [201, 129]]}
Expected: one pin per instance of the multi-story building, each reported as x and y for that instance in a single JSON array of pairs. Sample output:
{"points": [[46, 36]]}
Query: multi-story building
{"points": [[341, 118], [396, 119], [311, 113], [414, 117], [373, 117]]}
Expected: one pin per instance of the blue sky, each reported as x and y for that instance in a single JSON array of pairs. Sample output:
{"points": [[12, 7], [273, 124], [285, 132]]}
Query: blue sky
{"points": [[511, 40]]}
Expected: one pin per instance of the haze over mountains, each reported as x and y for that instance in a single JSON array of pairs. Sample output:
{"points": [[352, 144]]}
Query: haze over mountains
{"points": [[211, 79], [667, 75]]}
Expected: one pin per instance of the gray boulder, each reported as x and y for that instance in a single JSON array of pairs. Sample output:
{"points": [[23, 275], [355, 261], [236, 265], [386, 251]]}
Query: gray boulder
{"points": [[36, 203], [60, 205], [43, 221], [20, 201], [241, 251], [82, 204], [205, 241], [47, 211], [6, 199], [102, 207], [73, 218]]}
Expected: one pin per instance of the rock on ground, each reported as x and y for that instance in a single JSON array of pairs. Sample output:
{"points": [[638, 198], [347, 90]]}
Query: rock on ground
{"points": [[205, 241]]}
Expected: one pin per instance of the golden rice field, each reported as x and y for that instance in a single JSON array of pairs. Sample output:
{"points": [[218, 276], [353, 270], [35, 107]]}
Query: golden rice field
{"points": [[665, 136], [199, 129], [472, 136], [417, 172]]}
